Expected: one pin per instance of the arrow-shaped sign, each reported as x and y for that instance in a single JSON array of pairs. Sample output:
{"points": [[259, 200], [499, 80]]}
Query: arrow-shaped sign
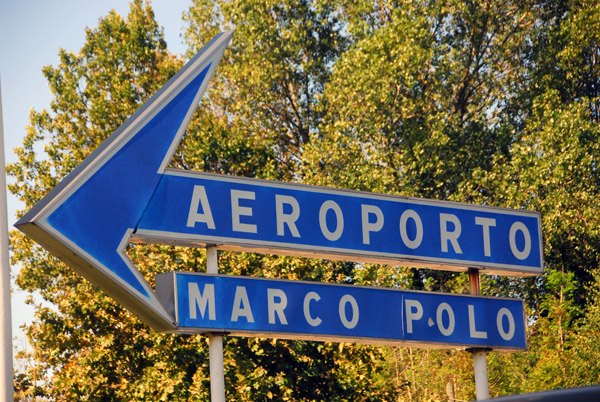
{"points": [[123, 192], [88, 218]]}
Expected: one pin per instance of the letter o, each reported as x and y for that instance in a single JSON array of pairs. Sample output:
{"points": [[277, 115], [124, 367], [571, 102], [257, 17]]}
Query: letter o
{"points": [[506, 335], [446, 331], [327, 205], [520, 254], [342, 310], [416, 242]]}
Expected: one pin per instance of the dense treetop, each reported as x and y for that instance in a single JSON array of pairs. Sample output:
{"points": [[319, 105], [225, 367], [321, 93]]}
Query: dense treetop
{"points": [[490, 102]]}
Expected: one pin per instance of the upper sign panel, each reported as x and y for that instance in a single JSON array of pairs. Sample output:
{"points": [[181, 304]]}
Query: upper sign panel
{"points": [[192, 208]]}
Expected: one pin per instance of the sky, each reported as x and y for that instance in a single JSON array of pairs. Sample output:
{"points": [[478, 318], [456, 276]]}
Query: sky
{"points": [[31, 34]]}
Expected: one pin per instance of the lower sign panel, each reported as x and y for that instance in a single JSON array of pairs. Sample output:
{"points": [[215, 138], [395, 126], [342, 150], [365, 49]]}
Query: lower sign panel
{"points": [[204, 303]]}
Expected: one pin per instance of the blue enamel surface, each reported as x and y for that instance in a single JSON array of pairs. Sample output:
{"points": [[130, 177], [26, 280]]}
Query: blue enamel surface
{"points": [[169, 208], [381, 314]]}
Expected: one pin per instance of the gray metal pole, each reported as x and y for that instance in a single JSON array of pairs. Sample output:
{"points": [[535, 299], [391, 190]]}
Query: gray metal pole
{"points": [[482, 389], [7, 391], [215, 342]]}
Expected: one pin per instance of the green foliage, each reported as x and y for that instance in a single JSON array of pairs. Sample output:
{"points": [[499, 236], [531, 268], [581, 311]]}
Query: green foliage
{"points": [[585, 341], [558, 341], [492, 102], [269, 84], [415, 103]]}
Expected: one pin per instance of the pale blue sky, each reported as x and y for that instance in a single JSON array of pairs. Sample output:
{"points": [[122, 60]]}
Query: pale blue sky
{"points": [[31, 33]]}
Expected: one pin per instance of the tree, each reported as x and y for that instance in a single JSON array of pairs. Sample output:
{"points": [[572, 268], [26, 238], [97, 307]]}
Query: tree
{"points": [[417, 101], [269, 84], [492, 102], [585, 343]]}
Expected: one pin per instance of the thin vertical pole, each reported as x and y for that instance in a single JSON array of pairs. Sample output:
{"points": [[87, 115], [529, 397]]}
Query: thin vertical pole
{"points": [[215, 342], [7, 391], [482, 390]]}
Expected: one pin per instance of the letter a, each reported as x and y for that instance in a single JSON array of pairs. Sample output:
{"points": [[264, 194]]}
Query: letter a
{"points": [[199, 197], [241, 305]]}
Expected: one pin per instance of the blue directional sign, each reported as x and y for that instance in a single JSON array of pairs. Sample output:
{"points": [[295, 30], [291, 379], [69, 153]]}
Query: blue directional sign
{"points": [[123, 192], [192, 208], [245, 306]]}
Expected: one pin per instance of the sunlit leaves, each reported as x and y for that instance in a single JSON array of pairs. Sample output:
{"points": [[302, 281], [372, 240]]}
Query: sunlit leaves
{"points": [[492, 102]]}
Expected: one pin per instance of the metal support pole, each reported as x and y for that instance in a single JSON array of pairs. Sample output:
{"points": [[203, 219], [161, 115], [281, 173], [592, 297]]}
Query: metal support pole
{"points": [[217, 372], [7, 389], [482, 390], [215, 342]]}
